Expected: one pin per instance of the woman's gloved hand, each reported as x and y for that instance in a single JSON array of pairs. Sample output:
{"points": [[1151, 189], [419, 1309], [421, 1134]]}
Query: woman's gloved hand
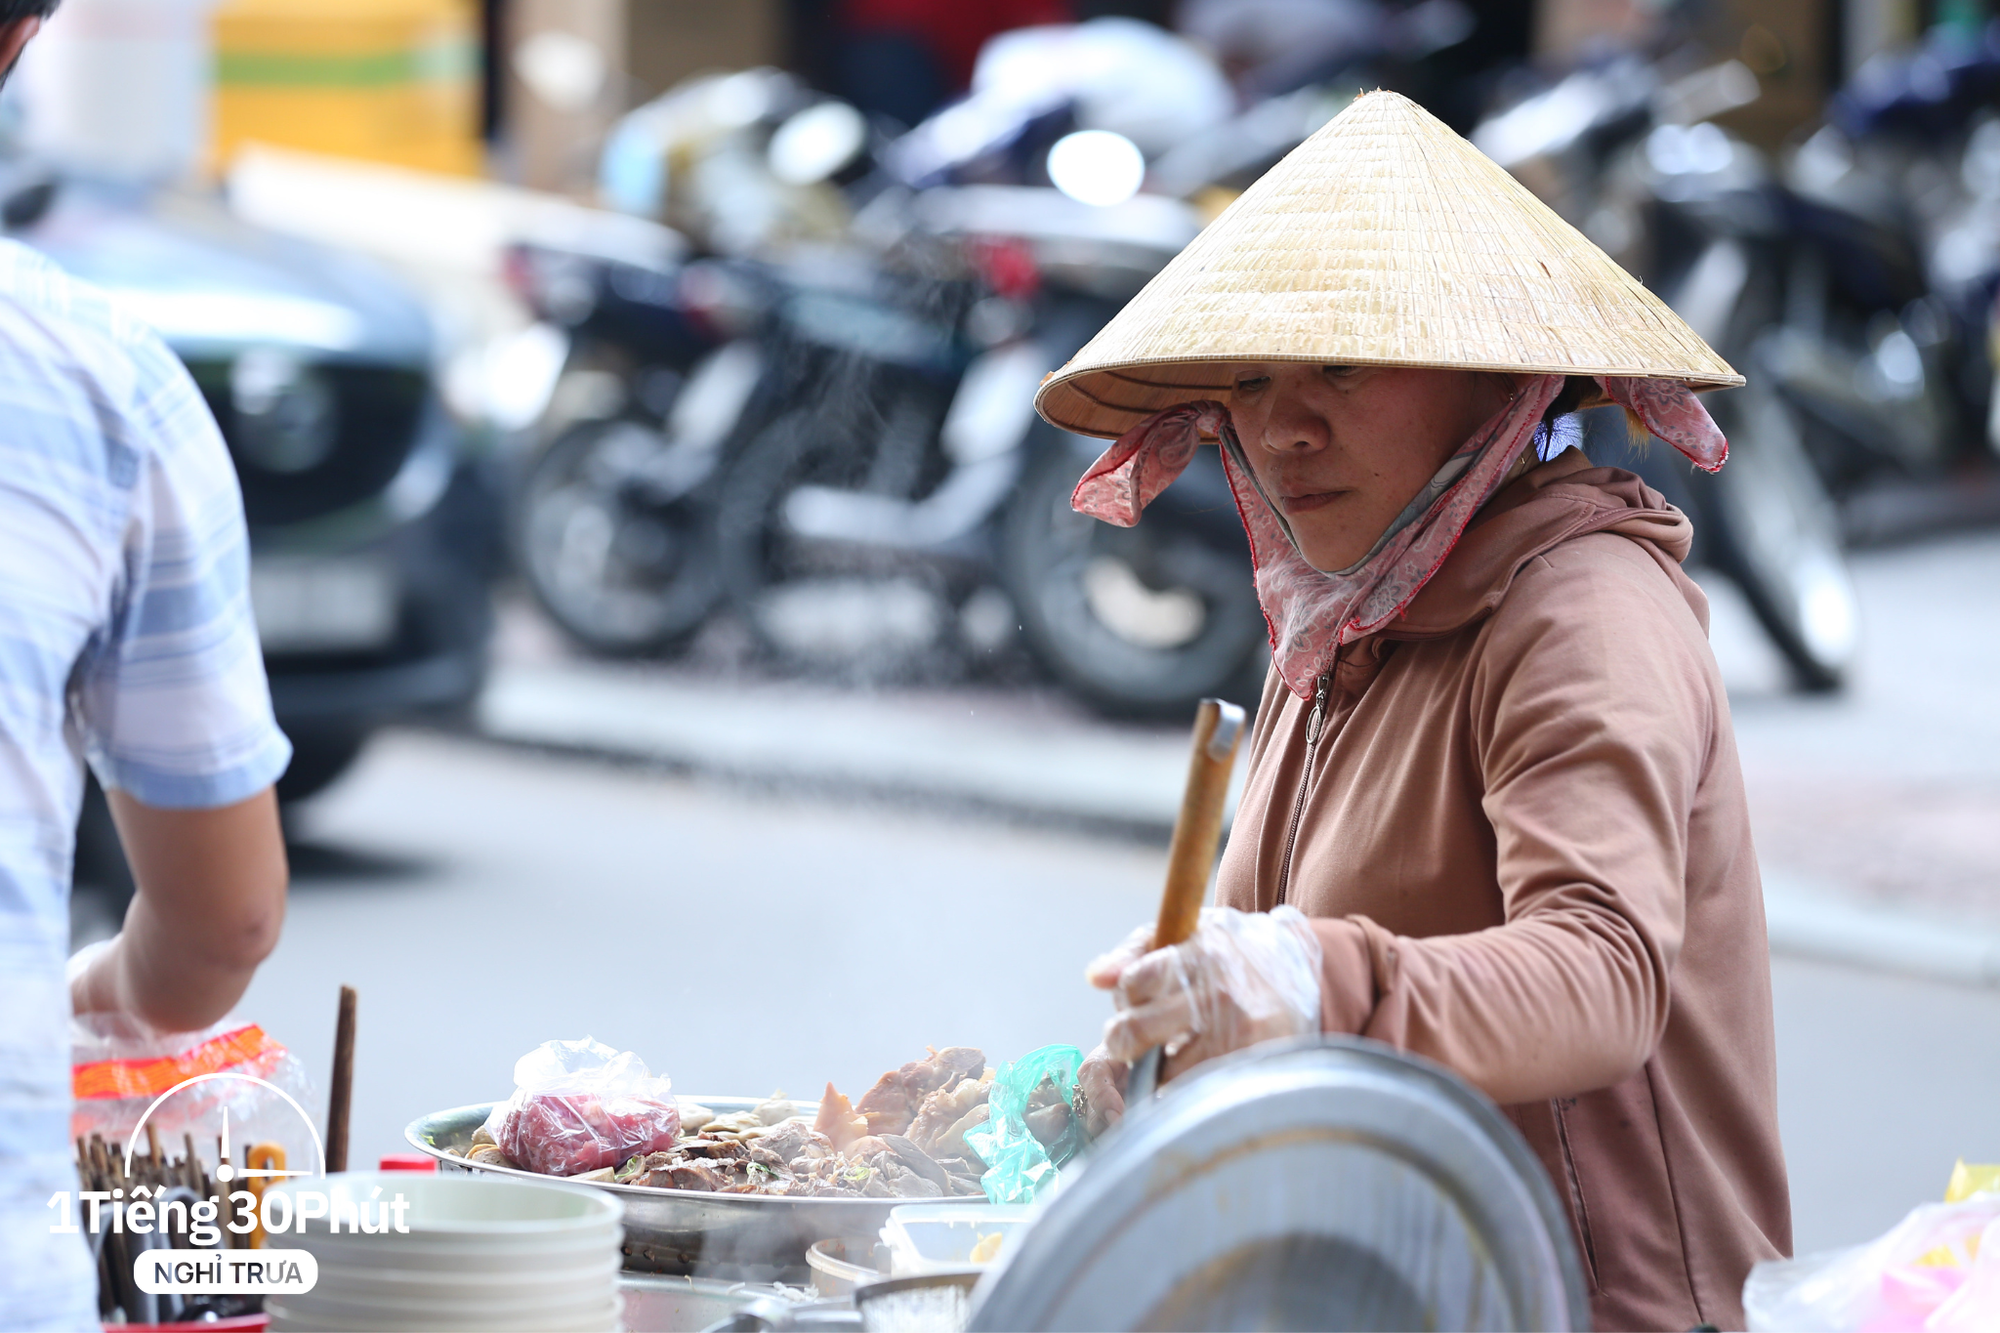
{"points": [[1100, 1082], [1241, 978]]}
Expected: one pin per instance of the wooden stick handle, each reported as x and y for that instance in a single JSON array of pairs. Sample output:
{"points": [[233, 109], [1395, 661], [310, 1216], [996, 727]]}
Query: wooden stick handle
{"points": [[341, 1096], [1218, 730]]}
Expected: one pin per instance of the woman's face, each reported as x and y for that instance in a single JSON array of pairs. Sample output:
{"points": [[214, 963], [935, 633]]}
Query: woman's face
{"points": [[1342, 449]]}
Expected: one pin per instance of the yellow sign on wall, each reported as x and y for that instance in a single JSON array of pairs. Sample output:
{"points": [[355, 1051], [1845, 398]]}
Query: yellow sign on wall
{"points": [[385, 80]]}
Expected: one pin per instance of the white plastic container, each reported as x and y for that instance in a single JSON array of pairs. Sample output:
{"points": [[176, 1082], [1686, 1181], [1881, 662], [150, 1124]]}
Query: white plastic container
{"points": [[940, 1238], [479, 1254]]}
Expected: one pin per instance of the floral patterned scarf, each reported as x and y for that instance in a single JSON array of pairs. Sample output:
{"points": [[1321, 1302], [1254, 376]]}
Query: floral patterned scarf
{"points": [[1312, 612]]}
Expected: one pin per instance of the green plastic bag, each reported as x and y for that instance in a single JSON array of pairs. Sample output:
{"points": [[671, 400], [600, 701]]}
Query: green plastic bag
{"points": [[1017, 1165]]}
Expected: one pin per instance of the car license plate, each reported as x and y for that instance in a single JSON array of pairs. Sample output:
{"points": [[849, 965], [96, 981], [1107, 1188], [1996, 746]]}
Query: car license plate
{"points": [[304, 604]]}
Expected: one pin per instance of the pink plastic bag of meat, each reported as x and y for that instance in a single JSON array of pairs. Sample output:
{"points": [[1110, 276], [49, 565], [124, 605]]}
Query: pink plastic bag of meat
{"points": [[579, 1105]]}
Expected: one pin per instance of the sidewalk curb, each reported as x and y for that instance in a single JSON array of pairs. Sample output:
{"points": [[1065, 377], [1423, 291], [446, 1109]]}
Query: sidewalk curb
{"points": [[1811, 922], [1121, 780], [1108, 780]]}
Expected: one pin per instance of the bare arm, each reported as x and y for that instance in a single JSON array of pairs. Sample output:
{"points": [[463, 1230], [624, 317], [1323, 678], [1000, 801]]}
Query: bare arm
{"points": [[210, 903]]}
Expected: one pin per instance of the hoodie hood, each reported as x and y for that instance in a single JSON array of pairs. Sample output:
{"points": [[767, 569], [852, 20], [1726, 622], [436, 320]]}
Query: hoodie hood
{"points": [[1564, 498]]}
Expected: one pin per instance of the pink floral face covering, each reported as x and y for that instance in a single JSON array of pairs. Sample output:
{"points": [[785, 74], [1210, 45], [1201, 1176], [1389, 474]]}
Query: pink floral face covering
{"points": [[1312, 612]]}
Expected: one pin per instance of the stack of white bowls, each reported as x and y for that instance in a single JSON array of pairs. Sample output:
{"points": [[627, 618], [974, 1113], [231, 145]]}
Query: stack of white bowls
{"points": [[480, 1254]]}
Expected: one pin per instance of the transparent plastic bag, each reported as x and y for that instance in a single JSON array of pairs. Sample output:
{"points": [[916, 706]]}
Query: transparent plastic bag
{"points": [[1020, 1161], [120, 1067], [581, 1106], [1937, 1269], [1970, 1181]]}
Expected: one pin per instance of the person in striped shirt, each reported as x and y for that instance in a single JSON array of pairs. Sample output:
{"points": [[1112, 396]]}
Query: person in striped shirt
{"points": [[126, 642]]}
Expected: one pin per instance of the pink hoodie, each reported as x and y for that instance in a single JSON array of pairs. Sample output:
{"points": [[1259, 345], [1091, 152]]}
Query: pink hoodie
{"points": [[1524, 835]]}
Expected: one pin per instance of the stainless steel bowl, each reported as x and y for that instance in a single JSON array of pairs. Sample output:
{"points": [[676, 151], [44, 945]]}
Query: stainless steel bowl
{"points": [[738, 1237]]}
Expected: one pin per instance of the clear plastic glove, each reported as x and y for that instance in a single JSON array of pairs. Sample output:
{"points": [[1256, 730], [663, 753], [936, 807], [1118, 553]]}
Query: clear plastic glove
{"points": [[1100, 1086], [1242, 978]]}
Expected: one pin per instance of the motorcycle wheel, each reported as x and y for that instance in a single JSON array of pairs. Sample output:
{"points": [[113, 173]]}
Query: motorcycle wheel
{"points": [[1774, 531], [1144, 621], [621, 568], [849, 610]]}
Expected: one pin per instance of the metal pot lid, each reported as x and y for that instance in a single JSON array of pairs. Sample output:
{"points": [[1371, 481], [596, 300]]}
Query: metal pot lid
{"points": [[1328, 1183]]}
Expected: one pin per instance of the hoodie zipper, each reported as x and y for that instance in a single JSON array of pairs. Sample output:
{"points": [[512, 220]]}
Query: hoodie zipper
{"points": [[1315, 725]]}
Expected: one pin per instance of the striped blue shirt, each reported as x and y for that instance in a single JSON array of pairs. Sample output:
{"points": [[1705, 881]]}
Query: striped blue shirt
{"points": [[125, 641]]}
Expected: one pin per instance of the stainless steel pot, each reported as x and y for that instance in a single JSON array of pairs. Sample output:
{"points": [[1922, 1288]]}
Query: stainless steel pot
{"points": [[1328, 1183], [657, 1304], [740, 1237]]}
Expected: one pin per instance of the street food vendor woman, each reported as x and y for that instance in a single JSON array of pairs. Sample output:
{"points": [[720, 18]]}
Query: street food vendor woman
{"points": [[1494, 813]]}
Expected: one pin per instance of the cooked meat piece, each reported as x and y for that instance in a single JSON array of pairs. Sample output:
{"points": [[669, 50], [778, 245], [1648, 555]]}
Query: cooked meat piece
{"points": [[1049, 1123], [966, 1186], [838, 1121], [839, 1176], [639, 1165], [775, 1108], [866, 1146], [788, 1140], [952, 1142], [919, 1161], [760, 1155], [892, 1104], [693, 1116], [713, 1149], [902, 1181], [828, 1189], [687, 1176], [876, 1187], [946, 1107]]}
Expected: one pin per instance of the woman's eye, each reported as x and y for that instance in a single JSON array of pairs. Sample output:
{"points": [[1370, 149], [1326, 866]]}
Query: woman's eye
{"points": [[1337, 372], [1253, 384]]}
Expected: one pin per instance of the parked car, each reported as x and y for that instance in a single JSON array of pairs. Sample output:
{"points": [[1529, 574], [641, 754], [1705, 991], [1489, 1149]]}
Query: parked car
{"points": [[374, 522]]}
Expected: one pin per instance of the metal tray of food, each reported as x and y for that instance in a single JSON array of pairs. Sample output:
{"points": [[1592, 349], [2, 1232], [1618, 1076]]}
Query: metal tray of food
{"points": [[737, 1237]]}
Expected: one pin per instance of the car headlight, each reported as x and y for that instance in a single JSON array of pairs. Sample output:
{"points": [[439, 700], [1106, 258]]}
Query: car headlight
{"points": [[287, 415]]}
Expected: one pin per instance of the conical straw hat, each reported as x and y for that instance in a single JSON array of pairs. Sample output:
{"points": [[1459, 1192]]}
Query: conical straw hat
{"points": [[1384, 239]]}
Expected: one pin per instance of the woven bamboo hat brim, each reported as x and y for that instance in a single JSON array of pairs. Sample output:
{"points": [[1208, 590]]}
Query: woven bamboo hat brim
{"points": [[1384, 239]]}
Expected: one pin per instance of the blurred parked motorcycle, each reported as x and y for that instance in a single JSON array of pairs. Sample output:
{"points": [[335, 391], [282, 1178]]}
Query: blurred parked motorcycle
{"points": [[1638, 164], [613, 510], [1890, 236], [906, 503]]}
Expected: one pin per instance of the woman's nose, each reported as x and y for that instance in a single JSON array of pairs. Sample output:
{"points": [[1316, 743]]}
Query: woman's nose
{"points": [[1294, 427]]}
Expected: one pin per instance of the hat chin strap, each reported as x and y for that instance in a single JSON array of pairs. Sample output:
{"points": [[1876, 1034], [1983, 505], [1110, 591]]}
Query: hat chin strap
{"points": [[1454, 467], [1310, 612]]}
